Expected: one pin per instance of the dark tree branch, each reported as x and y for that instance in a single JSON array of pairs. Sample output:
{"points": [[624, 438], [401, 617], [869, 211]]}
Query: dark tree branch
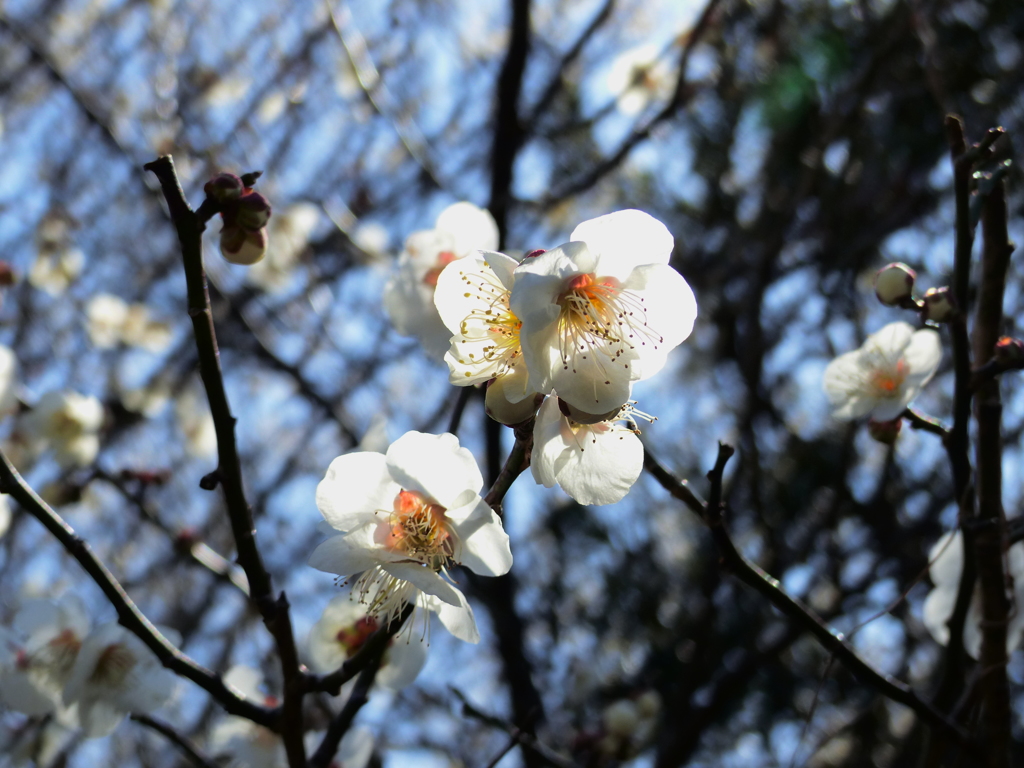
{"points": [[990, 545], [926, 423], [343, 720], [527, 740], [128, 613], [833, 641], [176, 737], [190, 225]]}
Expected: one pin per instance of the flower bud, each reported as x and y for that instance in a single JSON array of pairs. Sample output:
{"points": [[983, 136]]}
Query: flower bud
{"points": [[894, 284], [498, 407], [224, 187], [621, 718], [939, 306], [885, 431], [242, 246], [1009, 352], [582, 417], [253, 211]]}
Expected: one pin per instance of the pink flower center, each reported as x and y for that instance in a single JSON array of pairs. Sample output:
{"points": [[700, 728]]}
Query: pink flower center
{"points": [[420, 530], [444, 258], [354, 636], [113, 665], [886, 382]]}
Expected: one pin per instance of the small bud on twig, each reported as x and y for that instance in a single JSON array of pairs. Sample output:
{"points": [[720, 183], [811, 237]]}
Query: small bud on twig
{"points": [[939, 306], [894, 284]]}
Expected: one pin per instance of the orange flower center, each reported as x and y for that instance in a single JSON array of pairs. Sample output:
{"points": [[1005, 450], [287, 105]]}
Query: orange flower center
{"points": [[420, 530]]}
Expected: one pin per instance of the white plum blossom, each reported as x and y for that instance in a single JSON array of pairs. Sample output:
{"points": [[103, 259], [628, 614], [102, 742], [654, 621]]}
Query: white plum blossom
{"points": [[344, 628], [110, 321], [472, 298], [196, 422], [882, 377], [38, 653], [461, 229], [639, 76], [67, 422], [5, 514], [601, 311], [404, 518], [593, 463], [946, 563], [114, 674]]}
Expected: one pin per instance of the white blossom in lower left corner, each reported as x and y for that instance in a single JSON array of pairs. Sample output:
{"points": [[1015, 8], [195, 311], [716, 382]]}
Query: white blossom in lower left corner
{"points": [[114, 674]]}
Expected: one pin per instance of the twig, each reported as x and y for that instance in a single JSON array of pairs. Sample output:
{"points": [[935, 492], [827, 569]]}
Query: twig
{"points": [[528, 741], [127, 612], [517, 462], [925, 423], [340, 724], [190, 225], [177, 738], [460, 407], [832, 640]]}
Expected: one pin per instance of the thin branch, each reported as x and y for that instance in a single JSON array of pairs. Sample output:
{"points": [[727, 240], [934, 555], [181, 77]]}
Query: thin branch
{"points": [[340, 724], [925, 423], [460, 407], [176, 737], [528, 741], [190, 225], [128, 613], [516, 463], [680, 96], [832, 640]]}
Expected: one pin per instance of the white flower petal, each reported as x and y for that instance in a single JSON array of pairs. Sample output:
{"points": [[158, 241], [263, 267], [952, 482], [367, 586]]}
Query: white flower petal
{"points": [[425, 579], [624, 240], [435, 465], [484, 546], [345, 554], [403, 661], [470, 226], [923, 354], [355, 486], [457, 619]]}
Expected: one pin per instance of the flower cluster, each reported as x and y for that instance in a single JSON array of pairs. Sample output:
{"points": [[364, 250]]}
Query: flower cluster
{"points": [[402, 520], [578, 324], [243, 238], [112, 321], [50, 663]]}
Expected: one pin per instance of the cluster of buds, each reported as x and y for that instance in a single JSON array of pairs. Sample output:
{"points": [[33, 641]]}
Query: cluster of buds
{"points": [[243, 238], [894, 287]]}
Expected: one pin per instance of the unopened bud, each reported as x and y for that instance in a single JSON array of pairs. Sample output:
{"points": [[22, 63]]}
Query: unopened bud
{"points": [[582, 417], [242, 246], [224, 187], [533, 253], [1009, 352], [253, 211], [621, 718], [894, 284], [885, 431], [939, 306], [498, 407]]}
